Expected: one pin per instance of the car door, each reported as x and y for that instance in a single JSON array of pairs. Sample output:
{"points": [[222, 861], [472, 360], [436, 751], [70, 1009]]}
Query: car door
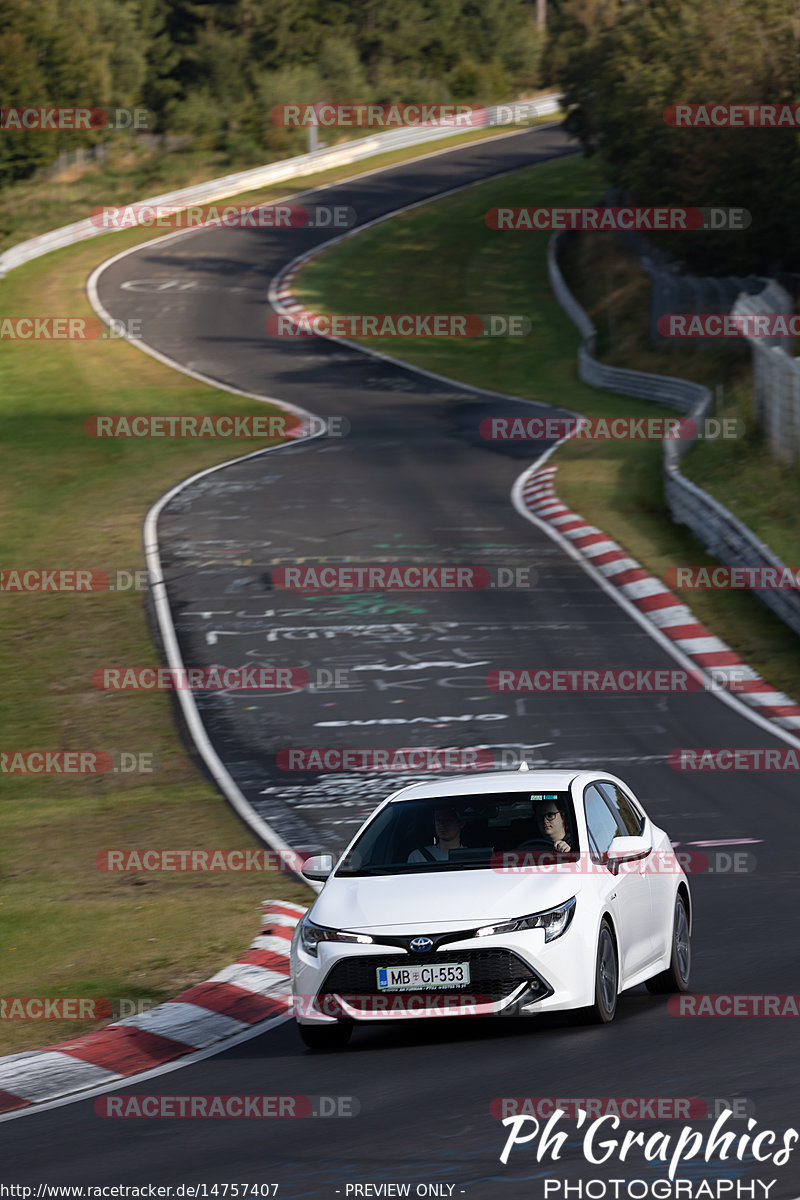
{"points": [[628, 893], [661, 870]]}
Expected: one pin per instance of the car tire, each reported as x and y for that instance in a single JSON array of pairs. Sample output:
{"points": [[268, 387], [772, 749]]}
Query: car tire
{"points": [[326, 1037], [606, 982], [676, 976]]}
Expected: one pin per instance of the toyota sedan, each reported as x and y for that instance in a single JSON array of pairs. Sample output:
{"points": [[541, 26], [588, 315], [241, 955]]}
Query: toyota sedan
{"points": [[507, 893]]}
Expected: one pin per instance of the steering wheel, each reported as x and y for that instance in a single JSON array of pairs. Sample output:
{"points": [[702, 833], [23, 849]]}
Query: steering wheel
{"points": [[536, 843]]}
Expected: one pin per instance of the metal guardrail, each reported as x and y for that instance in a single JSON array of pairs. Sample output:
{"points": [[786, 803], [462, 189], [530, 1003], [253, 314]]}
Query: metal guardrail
{"points": [[662, 389], [722, 534], [672, 289], [776, 375], [277, 172]]}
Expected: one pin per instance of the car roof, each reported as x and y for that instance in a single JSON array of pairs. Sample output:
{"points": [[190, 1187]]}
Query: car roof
{"points": [[484, 782]]}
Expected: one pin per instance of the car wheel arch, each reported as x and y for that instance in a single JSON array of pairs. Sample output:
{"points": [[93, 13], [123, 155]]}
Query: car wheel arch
{"points": [[609, 921]]}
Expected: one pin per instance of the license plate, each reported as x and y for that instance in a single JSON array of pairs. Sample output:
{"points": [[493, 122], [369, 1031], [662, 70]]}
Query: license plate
{"points": [[420, 978]]}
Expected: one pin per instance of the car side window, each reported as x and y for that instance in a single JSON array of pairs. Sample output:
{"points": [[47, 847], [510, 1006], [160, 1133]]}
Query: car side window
{"points": [[630, 820], [600, 821]]}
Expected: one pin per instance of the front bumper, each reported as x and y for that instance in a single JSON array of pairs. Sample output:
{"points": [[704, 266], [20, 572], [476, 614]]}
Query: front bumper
{"points": [[510, 975]]}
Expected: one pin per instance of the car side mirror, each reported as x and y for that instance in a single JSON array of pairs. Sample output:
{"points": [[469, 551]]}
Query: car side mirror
{"points": [[627, 849], [318, 868]]}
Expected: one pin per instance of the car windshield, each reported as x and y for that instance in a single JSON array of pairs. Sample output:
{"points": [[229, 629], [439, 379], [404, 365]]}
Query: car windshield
{"points": [[464, 832]]}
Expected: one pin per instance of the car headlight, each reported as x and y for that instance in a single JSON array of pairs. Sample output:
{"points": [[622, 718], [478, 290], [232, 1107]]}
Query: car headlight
{"points": [[310, 935], [554, 922]]}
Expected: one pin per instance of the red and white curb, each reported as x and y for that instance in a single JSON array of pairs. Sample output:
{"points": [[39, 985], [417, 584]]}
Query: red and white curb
{"points": [[652, 599], [253, 989], [282, 286]]}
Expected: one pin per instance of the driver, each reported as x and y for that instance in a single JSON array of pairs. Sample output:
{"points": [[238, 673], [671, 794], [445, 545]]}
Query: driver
{"points": [[552, 822], [447, 836]]}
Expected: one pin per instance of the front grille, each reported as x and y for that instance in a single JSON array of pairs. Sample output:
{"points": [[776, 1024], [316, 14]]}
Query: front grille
{"points": [[494, 973]]}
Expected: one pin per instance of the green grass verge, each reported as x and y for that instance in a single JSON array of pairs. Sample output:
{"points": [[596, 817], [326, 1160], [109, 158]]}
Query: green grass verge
{"points": [[744, 475], [443, 258], [71, 500]]}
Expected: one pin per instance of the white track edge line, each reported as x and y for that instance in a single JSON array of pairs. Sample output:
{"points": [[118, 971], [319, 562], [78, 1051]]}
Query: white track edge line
{"points": [[262, 829]]}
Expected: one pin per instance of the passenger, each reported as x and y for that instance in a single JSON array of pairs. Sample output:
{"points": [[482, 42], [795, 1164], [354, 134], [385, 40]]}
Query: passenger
{"points": [[447, 837]]}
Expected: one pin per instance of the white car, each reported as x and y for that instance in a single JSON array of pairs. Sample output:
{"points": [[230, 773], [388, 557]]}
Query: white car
{"points": [[507, 893]]}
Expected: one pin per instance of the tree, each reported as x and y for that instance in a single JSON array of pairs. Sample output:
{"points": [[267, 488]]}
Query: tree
{"points": [[621, 64]]}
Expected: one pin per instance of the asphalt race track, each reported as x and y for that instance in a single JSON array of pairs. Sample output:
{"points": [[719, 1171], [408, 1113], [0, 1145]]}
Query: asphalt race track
{"points": [[413, 482]]}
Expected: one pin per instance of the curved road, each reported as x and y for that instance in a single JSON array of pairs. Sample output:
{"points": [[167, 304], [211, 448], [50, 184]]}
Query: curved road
{"points": [[413, 482]]}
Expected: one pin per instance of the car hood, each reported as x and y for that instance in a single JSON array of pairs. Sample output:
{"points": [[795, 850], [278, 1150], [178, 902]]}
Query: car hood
{"points": [[437, 901]]}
